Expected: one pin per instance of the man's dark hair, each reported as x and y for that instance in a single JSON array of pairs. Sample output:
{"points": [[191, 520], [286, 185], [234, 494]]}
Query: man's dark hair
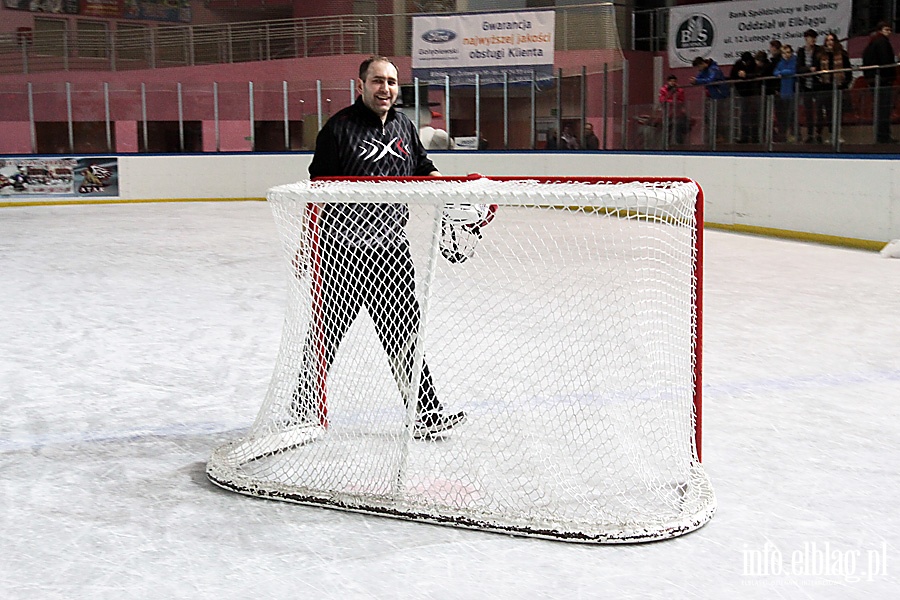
{"points": [[672, 78], [775, 44], [698, 61], [364, 65], [810, 33], [881, 25]]}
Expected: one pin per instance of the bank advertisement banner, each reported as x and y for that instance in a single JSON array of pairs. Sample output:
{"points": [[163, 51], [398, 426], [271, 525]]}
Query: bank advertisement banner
{"points": [[724, 30], [489, 44], [69, 177]]}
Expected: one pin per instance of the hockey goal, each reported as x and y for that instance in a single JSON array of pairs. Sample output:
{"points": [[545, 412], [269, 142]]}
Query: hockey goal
{"points": [[562, 316]]}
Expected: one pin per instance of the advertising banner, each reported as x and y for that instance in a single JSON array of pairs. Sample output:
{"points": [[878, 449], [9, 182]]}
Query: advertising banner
{"points": [[69, 7], [176, 11], [489, 44], [69, 177], [110, 9], [723, 31]]}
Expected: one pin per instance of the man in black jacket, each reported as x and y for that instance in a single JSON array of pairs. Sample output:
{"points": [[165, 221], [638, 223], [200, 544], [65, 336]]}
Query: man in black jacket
{"points": [[881, 52], [744, 72], [364, 258], [808, 63]]}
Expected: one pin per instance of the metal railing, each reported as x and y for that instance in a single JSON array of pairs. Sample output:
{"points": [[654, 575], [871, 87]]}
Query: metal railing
{"points": [[815, 118], [284, 115], [516, 114], [167, 46], [592, 26]]}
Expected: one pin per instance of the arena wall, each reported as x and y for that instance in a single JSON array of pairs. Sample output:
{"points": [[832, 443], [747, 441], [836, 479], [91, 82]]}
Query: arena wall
{"points": [[853, 201]]}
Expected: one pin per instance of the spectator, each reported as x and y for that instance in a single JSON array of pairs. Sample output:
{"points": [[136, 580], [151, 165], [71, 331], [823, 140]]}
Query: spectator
{"points": [[833, 57], [708, 74], [591, 142], [880, 52], [552, 142], [567, 140], [744, 72], [711, 77], [807, 63], [767, 67], [775, 51], [786, 69], [671, 100]]}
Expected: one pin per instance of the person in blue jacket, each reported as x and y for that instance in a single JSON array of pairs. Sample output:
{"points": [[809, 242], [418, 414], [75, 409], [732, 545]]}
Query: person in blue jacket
{"points": [[786, 69], [708, 74]]}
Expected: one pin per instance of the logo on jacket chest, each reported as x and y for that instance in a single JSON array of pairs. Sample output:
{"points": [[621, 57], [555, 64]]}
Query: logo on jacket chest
{"points": [[375, 150]]}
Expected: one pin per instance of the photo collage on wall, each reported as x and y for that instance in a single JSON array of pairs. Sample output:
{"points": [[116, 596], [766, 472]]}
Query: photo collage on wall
{"points": [[175, 11], [59, 177]]}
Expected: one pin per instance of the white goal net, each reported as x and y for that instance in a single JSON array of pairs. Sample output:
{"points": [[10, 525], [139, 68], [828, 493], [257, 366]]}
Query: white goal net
{"points": [[515, 355]]}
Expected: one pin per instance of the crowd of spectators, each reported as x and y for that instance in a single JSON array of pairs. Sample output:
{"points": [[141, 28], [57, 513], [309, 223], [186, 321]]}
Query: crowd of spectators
{"points": [[568, 140], [803, 79]]}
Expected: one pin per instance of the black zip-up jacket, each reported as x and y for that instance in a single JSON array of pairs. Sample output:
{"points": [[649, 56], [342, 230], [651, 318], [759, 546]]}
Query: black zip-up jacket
{"points": [[354, 142], [807, 83], [882, 53]]}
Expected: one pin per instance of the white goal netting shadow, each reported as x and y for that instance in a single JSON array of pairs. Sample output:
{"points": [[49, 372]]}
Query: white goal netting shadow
{"points": [[562, 318]]}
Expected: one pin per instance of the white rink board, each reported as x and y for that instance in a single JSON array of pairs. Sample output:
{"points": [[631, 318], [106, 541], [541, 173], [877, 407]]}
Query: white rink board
{"points": [[857, 198]]}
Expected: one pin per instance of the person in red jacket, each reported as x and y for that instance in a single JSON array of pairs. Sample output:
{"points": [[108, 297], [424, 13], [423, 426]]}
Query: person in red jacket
{"points": [[671, 100]]}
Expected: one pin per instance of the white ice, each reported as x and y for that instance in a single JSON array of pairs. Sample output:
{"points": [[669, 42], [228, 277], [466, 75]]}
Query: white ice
{"points": [[135, 338]]}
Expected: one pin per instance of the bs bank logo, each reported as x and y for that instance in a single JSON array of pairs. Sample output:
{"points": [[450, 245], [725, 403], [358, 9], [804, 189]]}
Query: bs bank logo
{"points": [[694, 37], [439, 36]]}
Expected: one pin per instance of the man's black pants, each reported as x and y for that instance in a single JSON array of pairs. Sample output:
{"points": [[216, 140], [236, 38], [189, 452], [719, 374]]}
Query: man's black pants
{"points": [[346, 278]]}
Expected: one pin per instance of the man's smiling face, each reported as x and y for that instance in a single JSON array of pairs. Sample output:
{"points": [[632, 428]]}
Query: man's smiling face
{"points": [[380, 88]]}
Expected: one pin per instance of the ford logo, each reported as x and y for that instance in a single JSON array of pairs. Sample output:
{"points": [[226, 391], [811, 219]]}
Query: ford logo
{"points": [[439, 36]]}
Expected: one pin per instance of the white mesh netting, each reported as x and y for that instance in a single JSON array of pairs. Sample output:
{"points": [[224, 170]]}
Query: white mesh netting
{"points": [[554, 358]]}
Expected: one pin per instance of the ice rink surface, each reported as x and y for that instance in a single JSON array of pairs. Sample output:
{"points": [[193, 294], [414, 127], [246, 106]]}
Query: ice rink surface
{"points": [[135, 338]]}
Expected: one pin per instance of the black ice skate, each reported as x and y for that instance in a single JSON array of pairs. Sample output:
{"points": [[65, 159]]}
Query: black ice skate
{"points": [[431, 424]]}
